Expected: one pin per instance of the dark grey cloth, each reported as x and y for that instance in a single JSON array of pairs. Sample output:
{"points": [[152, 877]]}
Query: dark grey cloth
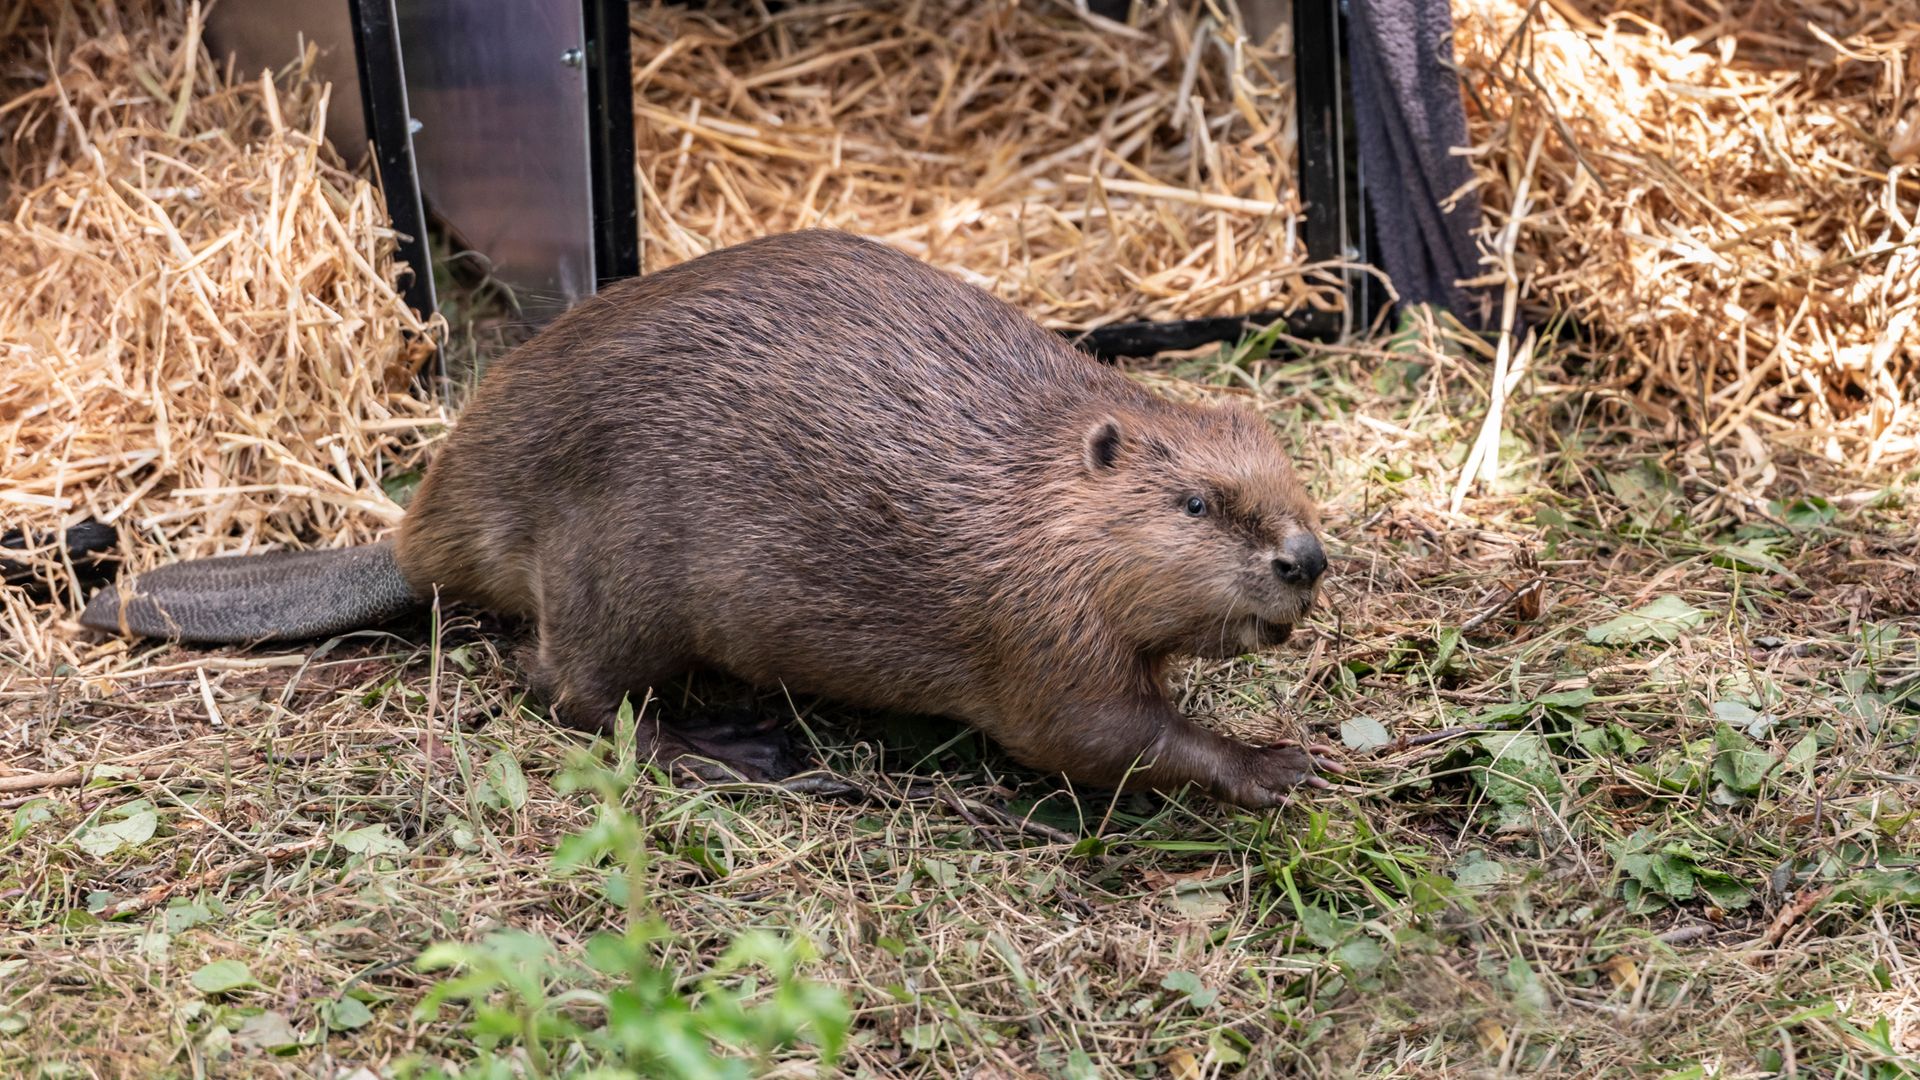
{"points": [[1406, 94]]}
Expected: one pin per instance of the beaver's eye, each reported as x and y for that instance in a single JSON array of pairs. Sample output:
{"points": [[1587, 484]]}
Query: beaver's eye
{"points": [[1196, 506]]}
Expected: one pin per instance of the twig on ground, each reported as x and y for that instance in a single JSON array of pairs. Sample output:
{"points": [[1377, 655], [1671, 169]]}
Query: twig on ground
{"points": [[959, 806], [1512, 597], [78, 776], [1409, 742]]}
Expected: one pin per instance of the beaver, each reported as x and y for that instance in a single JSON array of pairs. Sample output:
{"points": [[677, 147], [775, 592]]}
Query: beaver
{"points": [[813, 462]]}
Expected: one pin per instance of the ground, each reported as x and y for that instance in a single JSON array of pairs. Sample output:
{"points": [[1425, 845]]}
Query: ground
{"points": [[1632, 758]]}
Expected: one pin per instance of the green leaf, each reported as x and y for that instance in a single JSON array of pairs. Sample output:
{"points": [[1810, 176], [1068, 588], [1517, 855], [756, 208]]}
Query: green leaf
{"points": [[1361, 955], [401, 486], [924, 1037], [504, 776], [1736, 763], [1741, 715], [1255, 346], [185, 915], [1810, 512], [1187, 983], [1631, 854], [1444, 647], [1640, 899], [1734, 712], [370, 840], [1088, 846], [1609, 738], [222, 976], [1625, 738], [1476, 871], [1593, 739], [1364, 733], [1649, 493], [1222, 1048], [1672, 872], [1804, 753], [1520, 765], [1884, 886], [1674, 875], [1724, 890], [29, 815], [1528, 994], [345, 1014], [269, 1031], [1503, 713], [1750, 557], [103, 840], [943, 874], [1567, 700], [1665, 619], [1322, 927]]}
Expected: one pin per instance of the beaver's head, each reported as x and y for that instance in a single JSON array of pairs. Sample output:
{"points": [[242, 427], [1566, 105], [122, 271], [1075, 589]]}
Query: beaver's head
{"points": [[1209, 545]]}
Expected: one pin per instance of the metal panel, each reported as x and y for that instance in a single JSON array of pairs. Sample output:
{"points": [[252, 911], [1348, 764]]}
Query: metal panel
{"points": [[499, 94]]}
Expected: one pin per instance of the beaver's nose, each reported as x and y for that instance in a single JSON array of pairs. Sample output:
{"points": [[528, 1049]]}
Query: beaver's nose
{"points": [[1301, 560]]}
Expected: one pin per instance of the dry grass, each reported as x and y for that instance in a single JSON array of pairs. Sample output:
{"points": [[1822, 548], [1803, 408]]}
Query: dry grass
{"points": [[1566, 858], [1727, 193], [1089, 172]]}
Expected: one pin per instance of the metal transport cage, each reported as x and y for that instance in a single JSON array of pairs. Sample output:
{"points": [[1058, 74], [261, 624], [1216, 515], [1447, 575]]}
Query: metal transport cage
{"points": [[512, 124]]}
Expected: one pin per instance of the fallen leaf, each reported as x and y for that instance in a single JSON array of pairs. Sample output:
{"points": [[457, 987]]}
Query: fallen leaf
{"points": [[1793, 913], [1622, 972], [103, 840], [345, 1014], [269, 1031], [1490, 1035], [371, 840], [1664, 619], [1364, 733], [221, 976], [1186, 982], [506, 780]]}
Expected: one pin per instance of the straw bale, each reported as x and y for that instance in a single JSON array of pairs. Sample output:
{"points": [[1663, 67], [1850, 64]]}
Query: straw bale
{"points": [[201, 340], [1088, 171], [1729, 193]]}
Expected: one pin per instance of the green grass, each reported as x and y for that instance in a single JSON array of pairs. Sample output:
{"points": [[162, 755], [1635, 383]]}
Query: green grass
{"points": [[1663, 828]]}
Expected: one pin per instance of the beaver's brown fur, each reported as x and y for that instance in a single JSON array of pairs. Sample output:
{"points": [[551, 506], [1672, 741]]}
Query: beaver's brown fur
{"points": [[813, 462]]}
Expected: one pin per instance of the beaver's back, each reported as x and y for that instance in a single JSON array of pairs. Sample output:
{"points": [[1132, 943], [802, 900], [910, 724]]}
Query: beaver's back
{"points": [[813, 424]]}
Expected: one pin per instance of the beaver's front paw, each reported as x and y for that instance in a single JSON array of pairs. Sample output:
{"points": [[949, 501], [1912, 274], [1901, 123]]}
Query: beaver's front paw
{"points": [[1271, 773]]}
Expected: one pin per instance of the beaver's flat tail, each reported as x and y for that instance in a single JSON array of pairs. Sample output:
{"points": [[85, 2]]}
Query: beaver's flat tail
{"points": [[281, 596]]}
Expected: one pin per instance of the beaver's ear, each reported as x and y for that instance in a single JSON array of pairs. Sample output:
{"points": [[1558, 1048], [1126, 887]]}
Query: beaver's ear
{"points": [[1102, 451]]}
